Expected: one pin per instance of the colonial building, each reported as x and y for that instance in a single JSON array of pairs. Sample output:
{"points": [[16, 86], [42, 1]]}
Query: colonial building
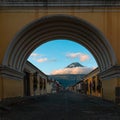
{"points": [[89, 85], [38, 83], [93, 84], [78, 87], [35, 81], [49, 86]]}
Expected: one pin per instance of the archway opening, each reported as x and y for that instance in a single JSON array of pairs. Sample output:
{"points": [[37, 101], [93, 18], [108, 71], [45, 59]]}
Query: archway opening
{"points": [[59, 27], [57, 54], [63, 60]]}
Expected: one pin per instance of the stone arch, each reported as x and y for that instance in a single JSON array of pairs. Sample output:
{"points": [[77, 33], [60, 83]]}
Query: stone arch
{"points": [[58, 27]]}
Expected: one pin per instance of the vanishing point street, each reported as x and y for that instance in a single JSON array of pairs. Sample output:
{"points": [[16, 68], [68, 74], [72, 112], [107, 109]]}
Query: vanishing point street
{"points": [[62, 106]]}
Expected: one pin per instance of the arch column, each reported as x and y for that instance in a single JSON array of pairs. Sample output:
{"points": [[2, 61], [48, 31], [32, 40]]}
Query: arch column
{"points": [[11, 73]]}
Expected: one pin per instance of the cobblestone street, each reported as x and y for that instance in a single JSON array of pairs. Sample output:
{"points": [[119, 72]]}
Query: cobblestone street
{"points": [[62, 106]]}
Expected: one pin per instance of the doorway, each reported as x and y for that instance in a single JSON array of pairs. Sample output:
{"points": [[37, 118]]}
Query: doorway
{"points": [[27, 84]]}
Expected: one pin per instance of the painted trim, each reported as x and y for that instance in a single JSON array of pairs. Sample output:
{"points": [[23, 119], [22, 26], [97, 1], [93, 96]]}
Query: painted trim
{"points": [[10, 73], [59, 3], [95, 71], [113, 72], [30, 67]]}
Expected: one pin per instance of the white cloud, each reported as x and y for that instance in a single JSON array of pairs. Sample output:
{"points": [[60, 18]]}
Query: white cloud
{"points": [[82, 57], [76, 70], [40, 60], [35, 55]]}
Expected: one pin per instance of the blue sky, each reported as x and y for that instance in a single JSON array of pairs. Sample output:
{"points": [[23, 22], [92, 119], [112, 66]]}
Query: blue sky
{"points": [[57, 54]]}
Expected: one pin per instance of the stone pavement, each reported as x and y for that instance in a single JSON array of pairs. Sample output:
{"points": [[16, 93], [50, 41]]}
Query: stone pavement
{"points": [[61, 106]]}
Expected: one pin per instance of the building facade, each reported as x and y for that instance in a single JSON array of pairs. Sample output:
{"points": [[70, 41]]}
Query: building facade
{"points": [[28, 24], [35, 81], [93, 84]]}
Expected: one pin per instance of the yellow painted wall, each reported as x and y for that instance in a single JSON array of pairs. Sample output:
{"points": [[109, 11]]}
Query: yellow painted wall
{"points": [[12, 88], [89, 79], [49, 87], [109, 88], [1, 86], [44, 91], [13, 21], [93, 93], [37, 92]]}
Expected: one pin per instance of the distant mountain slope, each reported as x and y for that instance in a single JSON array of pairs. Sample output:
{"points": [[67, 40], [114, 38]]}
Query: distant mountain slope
{"points": [[68, 76], [67, 79]]}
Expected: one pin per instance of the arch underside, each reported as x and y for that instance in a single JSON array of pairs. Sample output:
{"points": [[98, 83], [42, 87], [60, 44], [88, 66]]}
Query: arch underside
{"points": [[59, 27]]}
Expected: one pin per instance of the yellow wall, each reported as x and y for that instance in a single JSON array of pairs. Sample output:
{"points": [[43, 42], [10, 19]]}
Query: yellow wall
{"points": [[11, 88], [94, 93], [109, 88], [13, 21], [49, 87], [89, 79], [1, 86], [37, 91], [31, 85]]}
